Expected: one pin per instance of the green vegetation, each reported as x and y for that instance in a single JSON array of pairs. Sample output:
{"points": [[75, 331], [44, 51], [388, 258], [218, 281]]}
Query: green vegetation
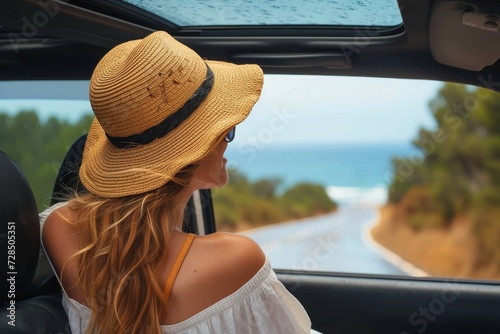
{"points": [[242, 203], [459, 170], [38, 147]]}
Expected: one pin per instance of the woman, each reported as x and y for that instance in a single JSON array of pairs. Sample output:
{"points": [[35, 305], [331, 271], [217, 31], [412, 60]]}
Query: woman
{"points": [[164, 118]]}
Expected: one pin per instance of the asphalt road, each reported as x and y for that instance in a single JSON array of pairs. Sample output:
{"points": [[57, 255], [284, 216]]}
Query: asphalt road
{"points": [[335, 242]]}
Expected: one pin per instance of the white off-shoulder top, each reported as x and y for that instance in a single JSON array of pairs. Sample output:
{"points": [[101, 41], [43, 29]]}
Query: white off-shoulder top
{"points": [[262, 305]]}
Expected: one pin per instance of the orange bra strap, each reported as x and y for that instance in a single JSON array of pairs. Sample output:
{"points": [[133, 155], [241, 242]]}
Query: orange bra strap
{"points": [[177, 264]]}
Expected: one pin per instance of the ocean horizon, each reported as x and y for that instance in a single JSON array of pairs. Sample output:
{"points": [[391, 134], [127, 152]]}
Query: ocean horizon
{"points": [[352, 173]]}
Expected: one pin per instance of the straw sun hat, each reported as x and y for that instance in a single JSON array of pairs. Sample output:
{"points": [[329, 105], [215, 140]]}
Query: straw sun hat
{"points": [[159, 107]]}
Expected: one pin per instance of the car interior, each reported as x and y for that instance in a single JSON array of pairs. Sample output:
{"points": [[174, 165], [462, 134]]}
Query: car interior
{"points": [[64, 40]]}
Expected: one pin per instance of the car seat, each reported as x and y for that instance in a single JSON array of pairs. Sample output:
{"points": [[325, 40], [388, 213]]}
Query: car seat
{"points": [[67, 180], [30, 294]]}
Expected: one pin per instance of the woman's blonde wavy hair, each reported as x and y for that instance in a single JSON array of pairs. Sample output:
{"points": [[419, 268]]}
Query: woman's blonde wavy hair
{"points": [[124, 244]]}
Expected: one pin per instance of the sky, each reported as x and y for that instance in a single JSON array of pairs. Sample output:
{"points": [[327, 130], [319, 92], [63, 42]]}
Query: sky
{"points": [[341, 109], [291, 110]]}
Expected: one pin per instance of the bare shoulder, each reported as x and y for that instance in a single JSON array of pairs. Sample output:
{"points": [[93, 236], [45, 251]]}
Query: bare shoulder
{"points": [[216, 266], [235, 248], [60, 240], [52, 223], [233, 259], [57, 227], [59, 236]]}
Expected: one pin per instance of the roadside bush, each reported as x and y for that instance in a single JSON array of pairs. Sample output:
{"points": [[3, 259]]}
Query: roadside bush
{"points": [[419, 210], [311, 196], [486, 226]]}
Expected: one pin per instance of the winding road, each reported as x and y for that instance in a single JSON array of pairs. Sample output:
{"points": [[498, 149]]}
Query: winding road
{"points": [[335, 242]]}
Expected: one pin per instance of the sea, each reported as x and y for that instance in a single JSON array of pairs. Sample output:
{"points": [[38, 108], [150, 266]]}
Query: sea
{"points": [[351, 173]]}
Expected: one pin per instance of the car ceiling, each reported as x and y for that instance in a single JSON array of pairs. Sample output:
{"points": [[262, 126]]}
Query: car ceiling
{"points": [[69, 43]]}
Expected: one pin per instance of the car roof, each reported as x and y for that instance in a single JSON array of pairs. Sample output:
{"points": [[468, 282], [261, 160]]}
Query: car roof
{"points": [[434, 42]]}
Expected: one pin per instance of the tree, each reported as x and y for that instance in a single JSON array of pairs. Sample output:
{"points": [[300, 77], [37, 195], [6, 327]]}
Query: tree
{"points": [[39, 147], [460, 169]]}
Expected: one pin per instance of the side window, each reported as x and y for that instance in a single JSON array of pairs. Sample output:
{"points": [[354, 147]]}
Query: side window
{"points": [[372, 176], [39, 121]]}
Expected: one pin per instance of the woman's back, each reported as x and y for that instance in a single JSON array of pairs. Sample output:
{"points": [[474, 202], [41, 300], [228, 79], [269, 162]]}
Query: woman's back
{"points": [[215, 266], [224, 285]]}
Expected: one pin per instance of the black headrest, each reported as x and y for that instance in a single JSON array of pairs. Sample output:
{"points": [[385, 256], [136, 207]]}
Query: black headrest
{"points": [[67, 180], [19, 230]]}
